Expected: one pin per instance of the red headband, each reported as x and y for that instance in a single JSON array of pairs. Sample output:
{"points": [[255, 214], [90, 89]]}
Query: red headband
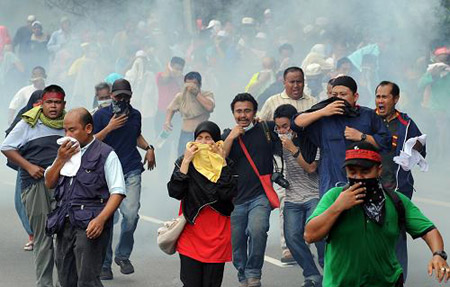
{"points": [[362, 154], [53, 95]]}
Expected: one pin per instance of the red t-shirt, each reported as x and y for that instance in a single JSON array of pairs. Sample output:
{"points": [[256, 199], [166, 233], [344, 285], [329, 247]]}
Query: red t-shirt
{"points": [[209, 239], [166, 91]]}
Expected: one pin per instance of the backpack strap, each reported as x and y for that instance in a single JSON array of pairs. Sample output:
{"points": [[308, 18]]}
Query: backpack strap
{"points": [[399, 207]]}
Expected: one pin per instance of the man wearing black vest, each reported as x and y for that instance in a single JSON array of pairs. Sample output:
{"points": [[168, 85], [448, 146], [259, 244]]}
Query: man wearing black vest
{"points": [[88, 192]]}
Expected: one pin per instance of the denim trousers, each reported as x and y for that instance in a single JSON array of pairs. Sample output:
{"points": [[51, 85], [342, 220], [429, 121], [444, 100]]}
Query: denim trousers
{"points": [[129, 208], [249, 227], [295, 216], [20, 208], [402, 253]]}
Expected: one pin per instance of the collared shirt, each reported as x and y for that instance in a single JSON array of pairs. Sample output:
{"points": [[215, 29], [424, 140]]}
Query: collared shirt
{"points": [[302, 104], [113, 172]]}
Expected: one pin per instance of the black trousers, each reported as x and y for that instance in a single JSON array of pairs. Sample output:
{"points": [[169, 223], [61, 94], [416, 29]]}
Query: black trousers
{"points": [[79, 260], [198, 274]]}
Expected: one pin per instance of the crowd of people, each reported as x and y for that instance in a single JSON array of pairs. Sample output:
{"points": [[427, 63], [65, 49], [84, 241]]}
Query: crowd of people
{"points": [[304, 125]]}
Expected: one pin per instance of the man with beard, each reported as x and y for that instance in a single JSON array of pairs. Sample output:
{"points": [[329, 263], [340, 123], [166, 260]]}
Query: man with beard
{"points": [[402, 128], [32, 146], [333, 124], [119, 126], [362, 222], [250, 218]]}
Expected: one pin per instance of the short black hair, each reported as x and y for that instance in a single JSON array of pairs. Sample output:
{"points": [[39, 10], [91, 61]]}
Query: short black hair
{"points": [[286, 46], [244, 97], [285, 111], [291, 70], [102, 86], [53, 88], [177, 61], [395, 90], [193, 76]]}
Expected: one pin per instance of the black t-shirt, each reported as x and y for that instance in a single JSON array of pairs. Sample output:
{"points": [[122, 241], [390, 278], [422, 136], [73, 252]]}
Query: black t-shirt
{"points": [[261, 151], [388, 176]]}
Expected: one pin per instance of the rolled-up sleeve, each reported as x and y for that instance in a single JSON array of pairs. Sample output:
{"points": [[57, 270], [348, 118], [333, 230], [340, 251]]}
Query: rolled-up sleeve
{"points": [[114, 174], [16, 138]]}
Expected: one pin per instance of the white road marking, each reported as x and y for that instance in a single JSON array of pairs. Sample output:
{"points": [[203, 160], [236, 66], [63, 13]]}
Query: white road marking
{"points": [[268, 259]]}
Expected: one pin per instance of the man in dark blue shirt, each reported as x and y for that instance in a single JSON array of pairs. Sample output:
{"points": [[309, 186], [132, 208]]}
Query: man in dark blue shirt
{"points": [[333, 127], [119, 126]]}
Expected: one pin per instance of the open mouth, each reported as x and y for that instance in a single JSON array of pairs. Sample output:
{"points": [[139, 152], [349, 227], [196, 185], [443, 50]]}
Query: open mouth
{"points": [[381, 108]]}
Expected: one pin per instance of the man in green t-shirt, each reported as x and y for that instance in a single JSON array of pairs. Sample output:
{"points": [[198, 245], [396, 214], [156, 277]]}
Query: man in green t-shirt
{"points": [[361, 224]]}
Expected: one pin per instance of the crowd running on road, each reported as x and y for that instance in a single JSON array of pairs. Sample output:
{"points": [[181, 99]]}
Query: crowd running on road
{"points": [[320, 132]]}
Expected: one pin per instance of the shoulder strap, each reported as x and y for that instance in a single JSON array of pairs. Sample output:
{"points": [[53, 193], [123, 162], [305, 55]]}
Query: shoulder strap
{"points": [[398, 206], [247, 155], [268, 135], [267, 132]]}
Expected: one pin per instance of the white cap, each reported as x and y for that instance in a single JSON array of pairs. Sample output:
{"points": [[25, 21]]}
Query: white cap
{"points": [[308, 29], [31, 18], [248, 21], [141, 53], [36, 23], [214, 23], [267, 12], [261, 35], [313, 70]]}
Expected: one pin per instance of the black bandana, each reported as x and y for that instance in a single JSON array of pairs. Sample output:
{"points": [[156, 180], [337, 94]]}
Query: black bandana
{"points": [[373, 205]]}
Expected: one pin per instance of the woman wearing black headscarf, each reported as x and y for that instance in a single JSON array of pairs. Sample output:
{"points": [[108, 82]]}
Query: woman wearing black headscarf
{"points": [[35, 98], [206, 185]]}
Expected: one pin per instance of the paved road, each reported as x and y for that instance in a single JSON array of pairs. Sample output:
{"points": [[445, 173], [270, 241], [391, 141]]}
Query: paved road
{"points": [[153, 268]]}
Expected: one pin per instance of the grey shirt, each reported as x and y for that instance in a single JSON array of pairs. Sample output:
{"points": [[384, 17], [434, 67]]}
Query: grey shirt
{"points": [[303, 186]]}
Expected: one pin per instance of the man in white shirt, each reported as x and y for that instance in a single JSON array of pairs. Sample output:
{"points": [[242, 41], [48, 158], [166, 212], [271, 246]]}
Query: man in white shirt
{"points": [[21, 98]]}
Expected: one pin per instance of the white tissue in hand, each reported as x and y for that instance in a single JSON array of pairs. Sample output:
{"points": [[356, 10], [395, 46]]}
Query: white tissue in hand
{"points": [[410, 157], [71, 167]]}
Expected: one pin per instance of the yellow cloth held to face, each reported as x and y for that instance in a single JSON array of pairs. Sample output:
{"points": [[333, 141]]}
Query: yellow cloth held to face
{"points": [[207, 162]]}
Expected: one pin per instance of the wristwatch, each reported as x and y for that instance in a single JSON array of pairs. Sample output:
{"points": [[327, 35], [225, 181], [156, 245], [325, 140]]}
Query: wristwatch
{"points": [[363, 137], [150, 147], [296, 154], [441, 253]]}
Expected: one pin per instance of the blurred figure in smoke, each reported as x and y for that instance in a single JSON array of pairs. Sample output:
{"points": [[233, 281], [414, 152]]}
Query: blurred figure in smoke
{"points": [[12, 72], [294, 95], [22, 37], [38, 46], [206, 203], [285, 52], [402, 128], [263, 79], [345, 67], [84, 73], [169, 83], [436, 85], [60, 38], [119, 125], [194, 105], [102, 97], [21, 98], [5, 39], [314, 82], [140, 76]]}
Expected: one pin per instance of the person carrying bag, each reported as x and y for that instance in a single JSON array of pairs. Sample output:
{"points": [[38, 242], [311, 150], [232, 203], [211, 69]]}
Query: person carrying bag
{"points": [[206, 186]]}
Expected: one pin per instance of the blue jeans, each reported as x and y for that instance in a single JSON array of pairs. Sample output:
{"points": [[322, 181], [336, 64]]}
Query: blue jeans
{"points": [[295, 216], [402, 253], [250, 223], [20, 208], [129, 208]]}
